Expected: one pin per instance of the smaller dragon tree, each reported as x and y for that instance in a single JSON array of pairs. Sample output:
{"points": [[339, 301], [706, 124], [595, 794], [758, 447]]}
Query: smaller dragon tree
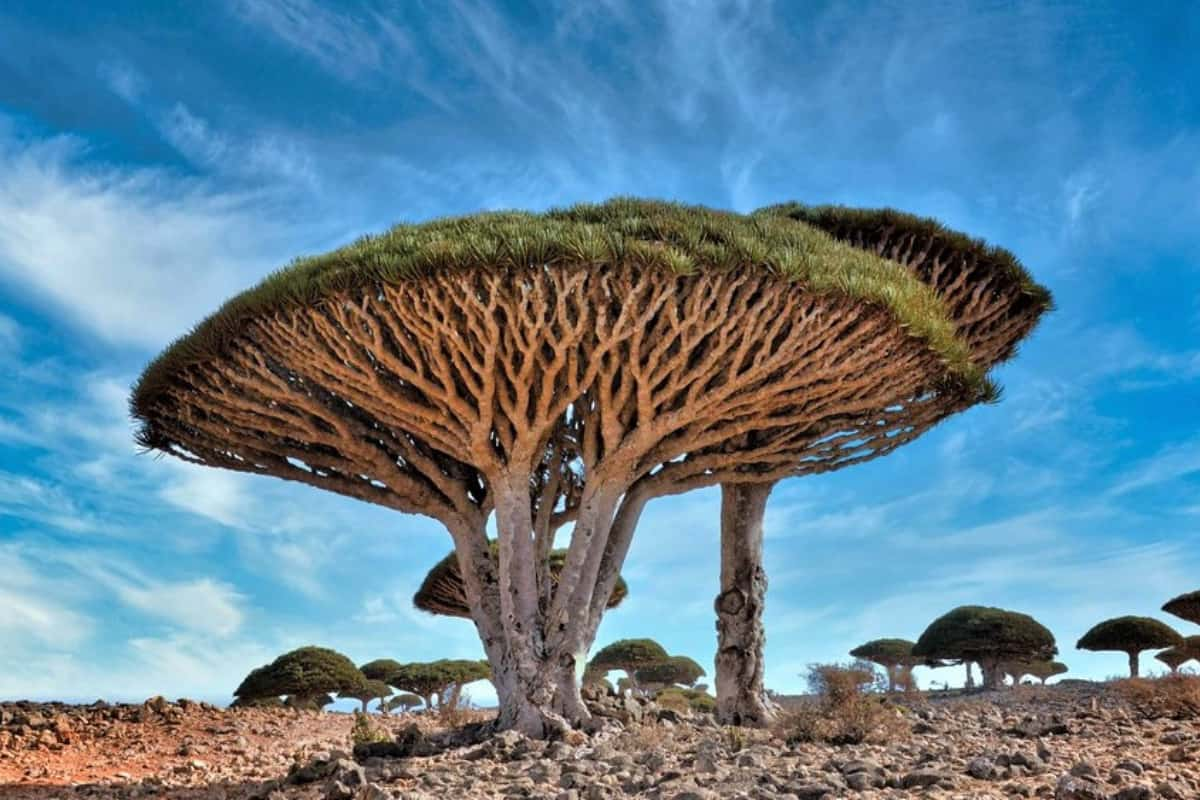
{"points": [[1185, 606], [989, 636], [307, 676], [369, 690], [380, 669], [405, 701], [443, 678], [671, 671], [1174, 658], [1130, 635], [1042, 670], [629, 655], [891, 654], [443, 593]]}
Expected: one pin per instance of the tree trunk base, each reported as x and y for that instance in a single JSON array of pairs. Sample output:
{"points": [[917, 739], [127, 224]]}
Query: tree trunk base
{"points": [[741, 697]]}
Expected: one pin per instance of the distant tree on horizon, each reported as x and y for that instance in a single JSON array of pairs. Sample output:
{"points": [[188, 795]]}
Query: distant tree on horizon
{"points": [[1042, 670], [371, 689], [442, 591], [629, 655], [443, 679], [1130, 635], [891, 654], [305, 675], [987, 635], [1174, 658], [671, 671], [405, 701]]}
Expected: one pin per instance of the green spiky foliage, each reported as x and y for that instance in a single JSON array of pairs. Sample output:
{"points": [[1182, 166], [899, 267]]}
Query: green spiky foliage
{"points": [[380, 669], [443, 678], [899, 235], [405, 701], [371, 689], [1130, 635], [891, 654], [629, 655], [680, 698], [670, 671], [1185, 606], [785, 240], [442, 591], [305, 675], [989, 636]]}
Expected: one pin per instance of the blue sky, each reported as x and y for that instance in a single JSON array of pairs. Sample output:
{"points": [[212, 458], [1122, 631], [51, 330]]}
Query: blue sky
{"points": [[157, 158]]}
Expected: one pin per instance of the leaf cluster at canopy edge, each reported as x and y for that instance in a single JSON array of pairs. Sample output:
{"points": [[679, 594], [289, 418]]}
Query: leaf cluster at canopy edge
{"points": [[680, 238]]}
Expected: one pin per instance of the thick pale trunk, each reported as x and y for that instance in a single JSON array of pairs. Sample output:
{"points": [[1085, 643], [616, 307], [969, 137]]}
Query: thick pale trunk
{"points": [[1133, 664], [970, 684], [992, 674], [891, 676], [741, 697], [536, 675]]}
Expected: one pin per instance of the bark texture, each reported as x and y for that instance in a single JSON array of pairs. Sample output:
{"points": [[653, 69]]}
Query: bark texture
{"points": [[741, 696], [1133, 664]]}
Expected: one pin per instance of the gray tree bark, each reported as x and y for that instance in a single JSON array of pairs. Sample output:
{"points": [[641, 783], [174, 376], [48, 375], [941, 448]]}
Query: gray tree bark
{"points": [[1133, 664], [741, 697]]}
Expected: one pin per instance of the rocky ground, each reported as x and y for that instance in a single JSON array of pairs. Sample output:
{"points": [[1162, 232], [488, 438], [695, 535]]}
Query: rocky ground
{"points": [[1078, 743]]}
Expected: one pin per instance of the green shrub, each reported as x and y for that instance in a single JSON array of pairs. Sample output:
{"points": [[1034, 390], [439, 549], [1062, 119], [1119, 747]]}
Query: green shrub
{"points": [[365, 732]]}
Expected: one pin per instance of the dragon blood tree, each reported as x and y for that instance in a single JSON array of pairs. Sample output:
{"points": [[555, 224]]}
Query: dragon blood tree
{"points": [[307, 675], [891, 654], [629, 655], [1185, 606], [1174, 658], [443, 592], [443, 678], [990, 636], [1130, 635], [671, 671], [992, 304], [569, 366], [370, 689], [1042, 670]]}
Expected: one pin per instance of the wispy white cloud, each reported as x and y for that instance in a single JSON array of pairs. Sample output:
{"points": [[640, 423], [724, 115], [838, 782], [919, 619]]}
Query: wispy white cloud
{"points": [[133, 255], [33, 606], [44, 502], [202, 604], [216, 494], [1169, 464], [343, 43]]}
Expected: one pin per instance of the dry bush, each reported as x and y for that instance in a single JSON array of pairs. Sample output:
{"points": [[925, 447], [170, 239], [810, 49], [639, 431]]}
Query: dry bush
{"points": [[1168, 697], [843, 712], [457, 711]]}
